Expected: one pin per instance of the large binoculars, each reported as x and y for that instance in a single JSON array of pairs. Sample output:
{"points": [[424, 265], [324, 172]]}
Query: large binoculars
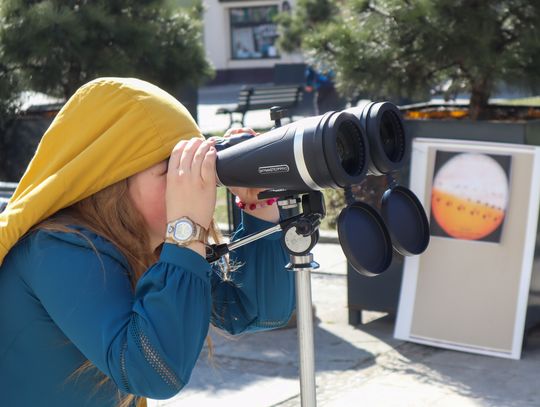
{"points": [[337, 150]]}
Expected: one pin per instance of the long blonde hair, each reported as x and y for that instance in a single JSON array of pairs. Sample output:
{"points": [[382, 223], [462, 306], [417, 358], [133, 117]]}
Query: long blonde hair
{"points": [[110, 213]]}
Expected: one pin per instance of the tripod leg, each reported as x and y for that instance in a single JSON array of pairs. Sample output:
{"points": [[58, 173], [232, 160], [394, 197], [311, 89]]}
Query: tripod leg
{"points": [[305, 337]]}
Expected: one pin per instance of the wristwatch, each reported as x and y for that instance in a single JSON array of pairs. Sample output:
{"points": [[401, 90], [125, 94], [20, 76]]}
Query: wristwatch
{"points": [[184, 231]]}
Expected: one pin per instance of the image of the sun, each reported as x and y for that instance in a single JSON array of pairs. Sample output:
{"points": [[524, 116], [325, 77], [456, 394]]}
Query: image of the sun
{"points": [[469, 196]]}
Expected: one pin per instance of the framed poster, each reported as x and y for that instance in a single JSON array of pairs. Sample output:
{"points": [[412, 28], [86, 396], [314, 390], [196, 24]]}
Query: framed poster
{"points": [[469, 291]]}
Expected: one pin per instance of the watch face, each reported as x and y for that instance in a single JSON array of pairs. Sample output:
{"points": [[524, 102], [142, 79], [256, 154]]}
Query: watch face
{"points": [[183, 230]]}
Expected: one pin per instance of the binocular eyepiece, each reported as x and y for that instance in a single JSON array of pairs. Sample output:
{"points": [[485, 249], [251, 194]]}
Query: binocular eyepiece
{"points": [[334, 150], [388, 143]]}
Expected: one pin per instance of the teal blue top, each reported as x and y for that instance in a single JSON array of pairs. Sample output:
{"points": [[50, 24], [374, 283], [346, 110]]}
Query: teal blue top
{"points": [[61, 304]]}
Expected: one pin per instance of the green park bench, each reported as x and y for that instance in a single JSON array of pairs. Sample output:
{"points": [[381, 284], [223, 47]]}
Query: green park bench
{"points": [[250, 98]]}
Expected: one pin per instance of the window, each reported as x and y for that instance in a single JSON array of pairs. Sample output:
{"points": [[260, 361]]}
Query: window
{"points": [[253, 32]]}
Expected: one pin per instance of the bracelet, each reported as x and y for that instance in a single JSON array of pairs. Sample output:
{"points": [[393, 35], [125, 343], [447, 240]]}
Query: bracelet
{"points": [[257, 205]]}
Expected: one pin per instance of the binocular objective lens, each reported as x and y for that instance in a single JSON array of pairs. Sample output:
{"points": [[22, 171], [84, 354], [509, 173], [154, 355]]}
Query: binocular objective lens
{"points": [[350, 148], [392, 136]]}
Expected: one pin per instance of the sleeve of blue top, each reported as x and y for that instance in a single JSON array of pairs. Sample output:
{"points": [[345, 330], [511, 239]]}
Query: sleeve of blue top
{"points": [[259, 293], [147, 341]]}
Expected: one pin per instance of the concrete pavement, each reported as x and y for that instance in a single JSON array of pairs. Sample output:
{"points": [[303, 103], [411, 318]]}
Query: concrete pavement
{"points": [[355, 366]]}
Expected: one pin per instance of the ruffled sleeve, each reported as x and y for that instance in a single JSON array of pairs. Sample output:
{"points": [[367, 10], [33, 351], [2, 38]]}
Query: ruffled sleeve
{"points": [[147, 342], [260, 293]]}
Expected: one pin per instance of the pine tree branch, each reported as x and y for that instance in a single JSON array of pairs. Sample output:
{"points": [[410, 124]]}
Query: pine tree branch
{"points": [[379, 11], [431, 73]]}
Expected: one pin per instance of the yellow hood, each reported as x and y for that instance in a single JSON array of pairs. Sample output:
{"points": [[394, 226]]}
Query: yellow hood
{"points": [[109, 129]]}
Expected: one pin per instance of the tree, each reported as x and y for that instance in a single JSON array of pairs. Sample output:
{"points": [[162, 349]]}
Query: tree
{"points": [[59, 45], [9, 86], [386, 48], [55, 46]]}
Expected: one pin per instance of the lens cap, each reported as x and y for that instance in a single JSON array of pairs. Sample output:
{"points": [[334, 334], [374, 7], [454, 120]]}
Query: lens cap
{"points": [[406, 220], [364, 239]]}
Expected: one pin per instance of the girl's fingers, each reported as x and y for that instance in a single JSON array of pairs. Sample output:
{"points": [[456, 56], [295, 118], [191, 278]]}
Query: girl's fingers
{"points": [[240, 130], [187, 155], [198, 158], [208, 168], [174, 160]]}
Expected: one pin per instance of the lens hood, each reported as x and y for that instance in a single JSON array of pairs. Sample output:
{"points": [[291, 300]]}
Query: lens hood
{"points": [[346, 148], [388, 141]]}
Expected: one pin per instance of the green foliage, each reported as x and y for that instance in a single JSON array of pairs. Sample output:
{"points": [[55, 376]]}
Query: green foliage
{"points": [[9, 83], [334, 200], [59, 45], [8, 112], [388, 48], [308, 16], [9, 88]]}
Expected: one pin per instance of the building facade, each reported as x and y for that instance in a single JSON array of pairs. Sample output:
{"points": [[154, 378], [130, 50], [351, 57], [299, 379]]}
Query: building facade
{"points": [[240, 39]]}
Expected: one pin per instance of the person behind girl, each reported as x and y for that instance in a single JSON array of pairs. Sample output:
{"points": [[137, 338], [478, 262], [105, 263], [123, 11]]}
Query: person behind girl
{"points": [[104, 297]]}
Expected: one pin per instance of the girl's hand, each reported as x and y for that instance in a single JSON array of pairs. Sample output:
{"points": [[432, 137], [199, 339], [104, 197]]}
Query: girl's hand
{"points": [[249, 195], [191, 181]]}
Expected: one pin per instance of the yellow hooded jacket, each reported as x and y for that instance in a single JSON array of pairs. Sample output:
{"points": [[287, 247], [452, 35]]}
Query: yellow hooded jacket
{"points": [[110, 129]]}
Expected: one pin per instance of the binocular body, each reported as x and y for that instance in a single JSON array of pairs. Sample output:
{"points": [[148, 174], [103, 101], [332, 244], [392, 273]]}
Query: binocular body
{"points": [[334, 150], [337, 150]]}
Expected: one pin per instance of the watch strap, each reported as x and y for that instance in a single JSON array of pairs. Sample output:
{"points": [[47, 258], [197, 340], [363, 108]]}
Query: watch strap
{"points": [[201, 234], [186, 243]]}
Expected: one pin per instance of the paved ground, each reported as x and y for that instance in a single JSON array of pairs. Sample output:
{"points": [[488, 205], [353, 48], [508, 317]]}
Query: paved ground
{"points": [[356, 366]]}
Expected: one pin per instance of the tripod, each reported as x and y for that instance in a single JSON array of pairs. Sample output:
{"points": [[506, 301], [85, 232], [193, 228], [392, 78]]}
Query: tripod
{"points": [[300, 235]]}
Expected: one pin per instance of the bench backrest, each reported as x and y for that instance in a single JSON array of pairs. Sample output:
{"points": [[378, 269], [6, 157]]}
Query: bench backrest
{"points": [[265, 97], [244, 96]]}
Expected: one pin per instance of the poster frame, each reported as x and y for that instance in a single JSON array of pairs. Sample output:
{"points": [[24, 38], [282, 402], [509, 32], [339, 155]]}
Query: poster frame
{"points": [[418, 178]]}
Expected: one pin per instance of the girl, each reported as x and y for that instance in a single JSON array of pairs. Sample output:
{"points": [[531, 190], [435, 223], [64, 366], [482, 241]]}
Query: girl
{"points": [[105, 294]]}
